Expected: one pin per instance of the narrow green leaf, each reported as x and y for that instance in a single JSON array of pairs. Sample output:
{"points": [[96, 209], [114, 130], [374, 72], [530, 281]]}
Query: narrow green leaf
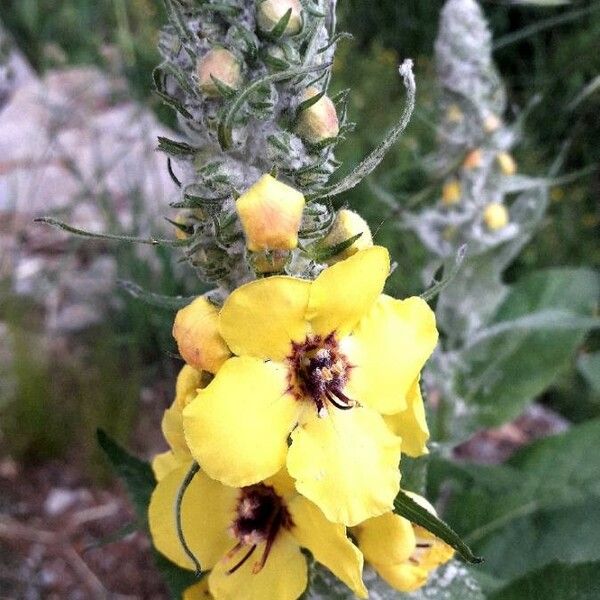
{"points": [[406, 507], [435, 289], [321, 254], [152, 299], [279, 29], [174, 148], [109, 236]]}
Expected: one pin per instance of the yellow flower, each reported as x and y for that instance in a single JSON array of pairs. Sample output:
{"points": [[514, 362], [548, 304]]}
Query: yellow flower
{"points": [[347, 224], [318, 363], [411, 424], [219, 64], [451, 192], [403, 554], [491, 123], [189, 381], [495, 216], [250, 538], [319, 121], [271, 213], [507, 163], [196, 330], [198, 591], [454, 114]]}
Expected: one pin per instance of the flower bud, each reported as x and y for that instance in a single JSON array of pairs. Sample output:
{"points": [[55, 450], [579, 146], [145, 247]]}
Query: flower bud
{"points": [[507, 163], [196, 330], [451, 192], [491, 123], [347, 224], [222, 65], [495, 216], [473, 159], [270, 12], [454, 114], [319, 121], [271, 213]]}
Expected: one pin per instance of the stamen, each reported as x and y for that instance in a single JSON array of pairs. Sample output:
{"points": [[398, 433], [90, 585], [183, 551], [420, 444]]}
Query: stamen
{"points": [[242, 561], [341, 396], [263, 559], [424, 545], [336, 403]]}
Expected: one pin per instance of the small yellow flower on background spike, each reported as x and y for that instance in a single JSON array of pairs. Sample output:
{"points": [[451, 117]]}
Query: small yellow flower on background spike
{"points": [[451, 192], [222, 65], [196, 330], [507, 163], [270, 12], [403, 554], [271, 213], [319, 121], [491, 123], [346, 225], [454, 114], [495, 216], [473, 159]]}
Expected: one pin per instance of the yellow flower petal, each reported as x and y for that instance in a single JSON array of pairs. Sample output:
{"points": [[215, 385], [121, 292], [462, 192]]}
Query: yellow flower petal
{"points": [[389, 348], [172, 428], [347, 464], [197, 334], [262, 318], [403, 577], [164, 463], [344, 292], [198, 591], [387, 539], [237, 427], [284, 576], [411, 424], [188, 382], [328, 544], [208, 509]]}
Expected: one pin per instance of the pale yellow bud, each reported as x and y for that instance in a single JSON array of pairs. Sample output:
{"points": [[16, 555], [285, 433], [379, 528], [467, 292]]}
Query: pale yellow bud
{"points": [[181, 219], [271, 213], [491, 123], [196, 330], [270, 12], [319, 121], [347, 224], [473, 159], [451, 192], [507, 163], [222, 65], [454, 114], [495, 216]]}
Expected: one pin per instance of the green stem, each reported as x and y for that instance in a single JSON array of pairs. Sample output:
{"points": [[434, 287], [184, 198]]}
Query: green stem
{"points": [[195, 467]]}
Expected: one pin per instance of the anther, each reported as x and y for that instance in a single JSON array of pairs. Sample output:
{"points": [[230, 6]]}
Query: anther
{"points": [[242, 561]]}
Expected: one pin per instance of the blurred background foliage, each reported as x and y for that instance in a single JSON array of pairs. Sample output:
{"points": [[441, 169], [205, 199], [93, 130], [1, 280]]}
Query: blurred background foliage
{"points": [[542, 50]]}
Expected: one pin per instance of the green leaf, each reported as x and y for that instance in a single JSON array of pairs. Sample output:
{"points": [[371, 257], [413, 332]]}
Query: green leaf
{"points": [[589, 367], [109, 236], [545, 500], [323, 253], [174, 148], [406, 507], [555, 582], [534, 334], [152, 299], [139, 482]]}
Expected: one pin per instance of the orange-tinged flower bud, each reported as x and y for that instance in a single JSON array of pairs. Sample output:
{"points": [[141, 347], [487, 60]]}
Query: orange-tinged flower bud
{"points": [[196, 330], [451, 192], [319, 121], [507, 163], [347, 224], [222, 65], [271, 213], [270, 12], [473, 159], [491, 123], [495, 216]]}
